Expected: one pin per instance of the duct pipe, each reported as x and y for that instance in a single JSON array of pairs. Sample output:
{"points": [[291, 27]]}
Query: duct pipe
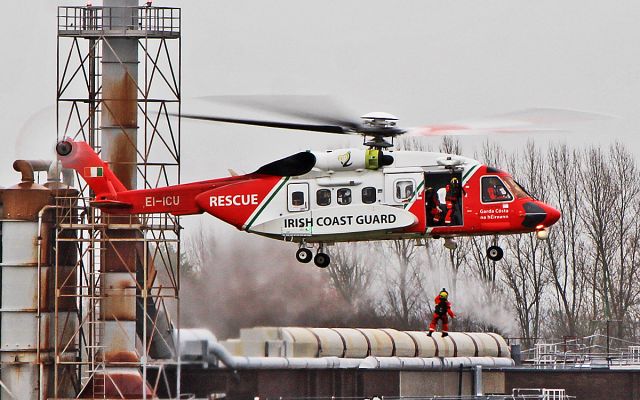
{"points": [[55, 172], [41, 213], [27, 169], [399, 363], [433, 363], [477, 380]]}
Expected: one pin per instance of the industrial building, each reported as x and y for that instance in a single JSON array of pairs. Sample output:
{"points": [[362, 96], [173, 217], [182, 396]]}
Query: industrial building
{"points": [[90, 302]]}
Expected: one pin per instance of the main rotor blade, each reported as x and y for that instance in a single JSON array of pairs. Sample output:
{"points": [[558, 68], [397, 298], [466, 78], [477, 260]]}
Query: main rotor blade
{"points": [[532, 120], [320, 109], [269, 124]]}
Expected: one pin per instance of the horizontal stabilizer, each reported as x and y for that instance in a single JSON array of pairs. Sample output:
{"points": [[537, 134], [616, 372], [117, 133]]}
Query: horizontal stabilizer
{"points": [[111, 204]]}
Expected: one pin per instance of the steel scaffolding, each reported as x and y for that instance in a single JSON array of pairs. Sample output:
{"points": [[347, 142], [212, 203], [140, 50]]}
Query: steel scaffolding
{"points": [[149, 247]]}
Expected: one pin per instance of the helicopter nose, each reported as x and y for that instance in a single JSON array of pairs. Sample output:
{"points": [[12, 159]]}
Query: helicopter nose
{"points": [[553, 215], [538, 214]]}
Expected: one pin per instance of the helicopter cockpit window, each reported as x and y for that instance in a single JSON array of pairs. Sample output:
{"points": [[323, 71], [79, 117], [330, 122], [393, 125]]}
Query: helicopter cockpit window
{"points": [[323, 197], [369, 195], [494, 190], [404, 190], [344, 196], [515, 188]]}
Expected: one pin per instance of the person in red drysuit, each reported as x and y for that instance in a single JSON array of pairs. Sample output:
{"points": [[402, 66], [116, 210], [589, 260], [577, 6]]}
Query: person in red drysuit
{"points": [[496, 190], [441, 312], [453, 199], [433, 207]]}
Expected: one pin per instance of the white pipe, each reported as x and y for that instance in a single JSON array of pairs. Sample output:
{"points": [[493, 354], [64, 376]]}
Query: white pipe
{"points": [[477, 380], [55, 172], [400, 363], [238, 362], [38, 297]]}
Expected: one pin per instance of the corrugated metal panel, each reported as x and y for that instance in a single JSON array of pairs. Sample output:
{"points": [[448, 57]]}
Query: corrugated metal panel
{"points": [[403, 343], [381, 343], [428, 346], [331, 343], [21, 377], [19, 242], [356, 343], [360, 343], [301, 342], [119, 296], [234, 346], [116, 340], [260, 333]]}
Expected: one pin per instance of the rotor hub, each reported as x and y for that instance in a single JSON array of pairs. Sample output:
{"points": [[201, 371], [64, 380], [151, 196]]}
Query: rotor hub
{"points": [[379, 119]]}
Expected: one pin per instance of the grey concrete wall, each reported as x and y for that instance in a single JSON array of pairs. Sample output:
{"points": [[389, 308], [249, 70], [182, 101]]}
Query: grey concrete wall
{"points": [[434, 383], [585, 385]]}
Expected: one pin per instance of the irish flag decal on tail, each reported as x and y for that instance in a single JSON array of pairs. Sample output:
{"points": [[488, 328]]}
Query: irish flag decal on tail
{"points": [[93, 172]]}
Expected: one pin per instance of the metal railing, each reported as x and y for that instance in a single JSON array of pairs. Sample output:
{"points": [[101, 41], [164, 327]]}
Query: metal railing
{"points": [[589, 351], [517, 394], [101, 19]]}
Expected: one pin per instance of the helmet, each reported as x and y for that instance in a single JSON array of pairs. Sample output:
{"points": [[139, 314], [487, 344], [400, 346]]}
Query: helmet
{"points": [[443, 293]]}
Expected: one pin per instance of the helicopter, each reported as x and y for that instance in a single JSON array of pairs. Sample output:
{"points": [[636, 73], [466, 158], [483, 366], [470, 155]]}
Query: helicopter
{"points": [[317, 198]]}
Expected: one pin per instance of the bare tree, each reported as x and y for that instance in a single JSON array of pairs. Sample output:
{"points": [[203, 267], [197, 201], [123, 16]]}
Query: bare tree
{"points": [[611, 185], [524, 273], [598, 192], [350, 272], [415, 143], [199, 249], [450, 145], [403, 283], [567, 262]]}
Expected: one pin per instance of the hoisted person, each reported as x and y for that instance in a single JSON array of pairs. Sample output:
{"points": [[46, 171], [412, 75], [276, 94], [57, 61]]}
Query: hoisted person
{"points": [[441, 312]]}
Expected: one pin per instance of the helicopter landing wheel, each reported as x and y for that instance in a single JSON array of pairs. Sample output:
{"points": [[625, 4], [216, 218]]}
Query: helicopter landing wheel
{"points": [[304, 255], [495, 253], [322, 260]]}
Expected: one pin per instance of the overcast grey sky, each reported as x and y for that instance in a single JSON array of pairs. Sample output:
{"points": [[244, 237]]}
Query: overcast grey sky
{"points": [[423, 60]]}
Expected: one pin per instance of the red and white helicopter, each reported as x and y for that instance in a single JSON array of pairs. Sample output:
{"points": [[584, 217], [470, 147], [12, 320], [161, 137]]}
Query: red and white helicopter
{"points": [[354, 194]]}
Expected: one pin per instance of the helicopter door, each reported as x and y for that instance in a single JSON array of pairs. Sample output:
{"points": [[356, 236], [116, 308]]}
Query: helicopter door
{"points": [[297, 197], [444, 200], [406, 190]]}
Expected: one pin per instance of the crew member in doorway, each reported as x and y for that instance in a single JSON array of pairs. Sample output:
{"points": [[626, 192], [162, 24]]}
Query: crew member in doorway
{"points": [[453, 199], [441, 312], [433, 207]]}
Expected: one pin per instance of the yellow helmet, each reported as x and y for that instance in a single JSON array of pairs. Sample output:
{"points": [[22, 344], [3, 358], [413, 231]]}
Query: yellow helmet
{"points": [[444, 293]]}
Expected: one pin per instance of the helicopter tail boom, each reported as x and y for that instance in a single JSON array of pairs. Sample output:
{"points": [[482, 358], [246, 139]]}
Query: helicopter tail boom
{"points": [[84, 160], [113, 197]]}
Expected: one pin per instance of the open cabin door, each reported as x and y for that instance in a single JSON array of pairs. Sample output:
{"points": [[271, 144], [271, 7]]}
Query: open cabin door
{"points": [[444, 195], [406, 190]]}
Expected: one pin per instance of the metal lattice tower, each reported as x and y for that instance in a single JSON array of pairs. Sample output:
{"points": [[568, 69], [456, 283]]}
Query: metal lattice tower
{"points": [[118, 80]]}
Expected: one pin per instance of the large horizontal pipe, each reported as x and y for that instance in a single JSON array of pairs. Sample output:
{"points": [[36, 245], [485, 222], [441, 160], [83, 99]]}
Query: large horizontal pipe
{"points": [[399, 363], [434, 363], [53, 168]]}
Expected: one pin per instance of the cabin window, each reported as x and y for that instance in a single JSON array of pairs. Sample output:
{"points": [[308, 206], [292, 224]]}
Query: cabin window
{"points": [[323, 197], [344, 196], [404, 189], [494, 190], [369, 195], [297, 195], [297, 199]]}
